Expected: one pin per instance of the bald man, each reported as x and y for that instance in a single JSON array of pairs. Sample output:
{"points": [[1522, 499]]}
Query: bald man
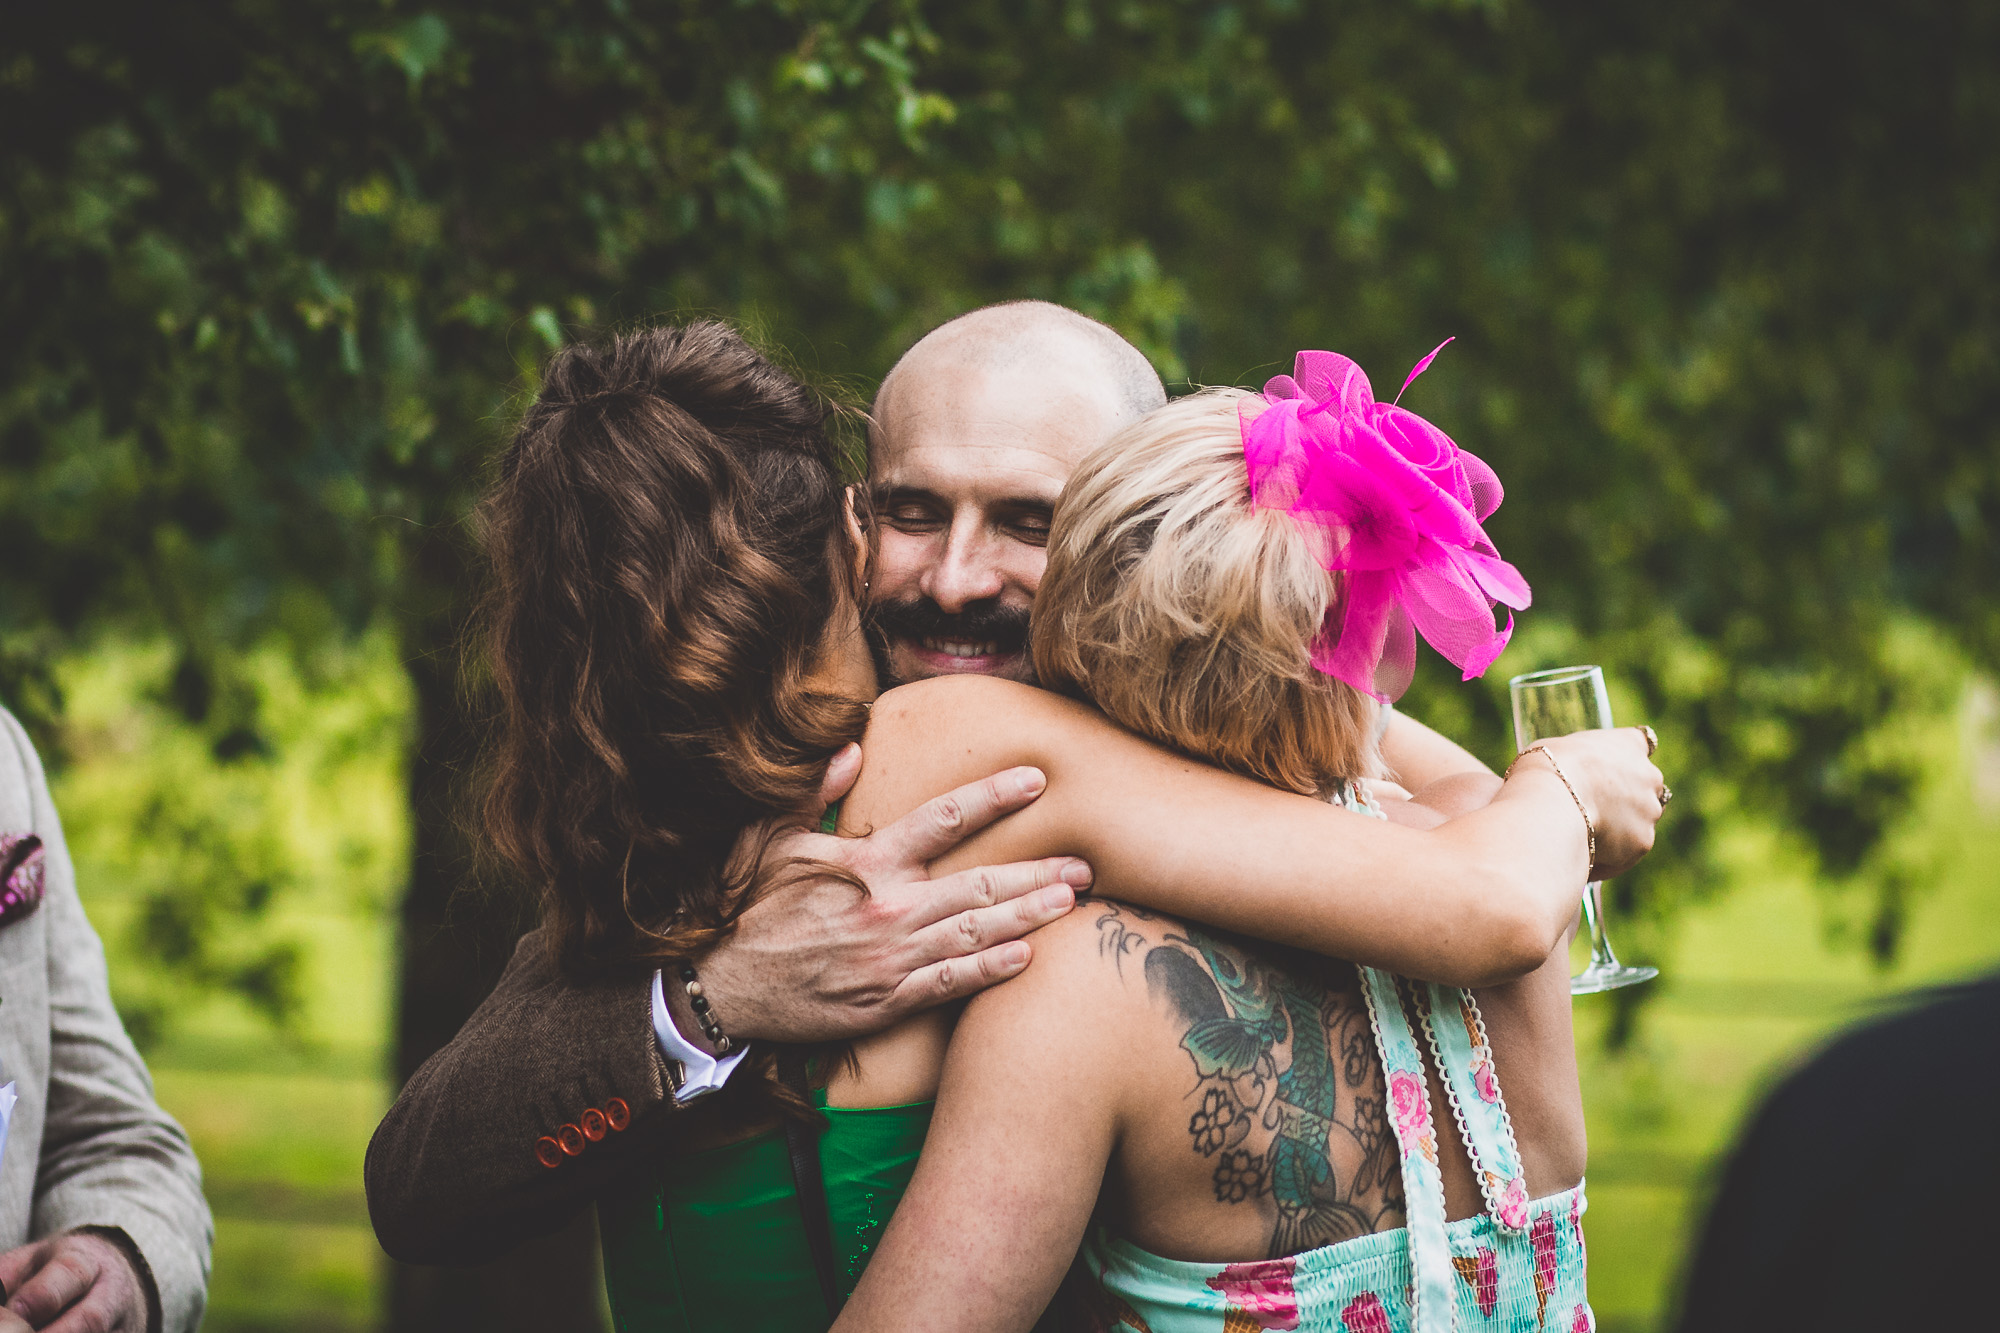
{"points": [[973, 434]]}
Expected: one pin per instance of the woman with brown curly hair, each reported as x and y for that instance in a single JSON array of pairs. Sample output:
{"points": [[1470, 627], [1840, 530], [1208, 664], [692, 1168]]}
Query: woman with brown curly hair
{"points": [[677, 643]]}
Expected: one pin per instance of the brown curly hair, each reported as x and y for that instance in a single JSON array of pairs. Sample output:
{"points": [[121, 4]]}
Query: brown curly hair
{"points": [[667, 545]]}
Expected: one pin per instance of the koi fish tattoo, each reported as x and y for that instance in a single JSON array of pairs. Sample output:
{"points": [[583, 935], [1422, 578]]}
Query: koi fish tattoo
{"points": [[1288, 1090]]}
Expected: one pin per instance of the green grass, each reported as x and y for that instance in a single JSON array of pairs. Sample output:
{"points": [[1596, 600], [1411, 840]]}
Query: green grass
{"points": [[1753, 990], [280, 1129]]}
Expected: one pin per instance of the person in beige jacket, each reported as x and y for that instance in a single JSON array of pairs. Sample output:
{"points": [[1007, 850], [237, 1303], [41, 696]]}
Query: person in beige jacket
{"points": [[102, 1220]]}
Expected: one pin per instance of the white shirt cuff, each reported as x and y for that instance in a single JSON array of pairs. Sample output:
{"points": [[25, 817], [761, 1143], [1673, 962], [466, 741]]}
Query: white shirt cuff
{"points": [[704, 1073]]}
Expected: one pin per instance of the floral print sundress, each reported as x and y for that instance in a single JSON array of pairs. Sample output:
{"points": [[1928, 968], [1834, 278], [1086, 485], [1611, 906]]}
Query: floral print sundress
{"points": [[1515, 1267]]}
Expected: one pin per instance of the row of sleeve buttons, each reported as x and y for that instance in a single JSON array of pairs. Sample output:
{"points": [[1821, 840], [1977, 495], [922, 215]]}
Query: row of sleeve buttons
{"points": [[591, 1126]]}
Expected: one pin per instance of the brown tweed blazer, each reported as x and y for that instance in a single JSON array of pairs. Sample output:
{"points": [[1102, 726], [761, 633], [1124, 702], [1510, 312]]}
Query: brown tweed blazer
{"points": [[551, 1091]]}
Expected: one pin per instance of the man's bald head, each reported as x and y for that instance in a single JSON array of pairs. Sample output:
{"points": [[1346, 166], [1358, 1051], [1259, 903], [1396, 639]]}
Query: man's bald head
{"points": [[974, 433], [1030, 338]]}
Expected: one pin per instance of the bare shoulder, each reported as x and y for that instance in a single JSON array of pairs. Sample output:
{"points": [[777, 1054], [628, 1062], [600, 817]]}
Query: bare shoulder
{"points": [[925, 738], [1076, 1013], [964, 708], [1092, 957]]}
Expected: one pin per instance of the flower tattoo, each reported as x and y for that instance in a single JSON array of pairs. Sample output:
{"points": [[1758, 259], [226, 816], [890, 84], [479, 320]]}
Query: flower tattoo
{"points": [[1238, 1176], [1210, 1125]]}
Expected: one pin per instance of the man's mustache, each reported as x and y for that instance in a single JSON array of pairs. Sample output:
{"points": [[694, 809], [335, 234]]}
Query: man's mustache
{"points": [[1005, 627]]}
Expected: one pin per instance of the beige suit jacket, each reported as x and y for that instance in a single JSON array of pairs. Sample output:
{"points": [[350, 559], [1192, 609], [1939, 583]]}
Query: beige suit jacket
{"points": [[88, 1145]]}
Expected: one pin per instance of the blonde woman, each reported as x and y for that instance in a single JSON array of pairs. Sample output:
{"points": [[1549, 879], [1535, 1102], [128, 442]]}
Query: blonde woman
{"points": [[1241, 1135]]}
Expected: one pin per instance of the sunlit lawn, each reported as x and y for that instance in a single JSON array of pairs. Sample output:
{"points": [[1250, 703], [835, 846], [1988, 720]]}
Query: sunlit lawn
{"points": [[281, 1132], [1753, 991]]}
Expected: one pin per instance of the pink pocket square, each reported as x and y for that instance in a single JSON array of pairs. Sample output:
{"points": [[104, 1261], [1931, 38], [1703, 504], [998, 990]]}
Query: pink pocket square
{"points": [[20, 875]]}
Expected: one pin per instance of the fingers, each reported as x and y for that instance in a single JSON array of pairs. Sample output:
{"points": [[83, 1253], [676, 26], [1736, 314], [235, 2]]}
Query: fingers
{"points": [[97, 1312], [841, 771], [956, 978], [17, 1265], [992, 886], [938, 825], [55, 1286], [979, 929]]}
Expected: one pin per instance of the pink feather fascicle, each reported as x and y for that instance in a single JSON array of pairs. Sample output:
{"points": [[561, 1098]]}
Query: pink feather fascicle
{"points": [[1399, 508]]}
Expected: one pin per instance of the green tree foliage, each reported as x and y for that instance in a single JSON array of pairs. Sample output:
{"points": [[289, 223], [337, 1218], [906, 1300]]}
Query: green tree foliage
{"points": [[272, 271], [1723, 278]]}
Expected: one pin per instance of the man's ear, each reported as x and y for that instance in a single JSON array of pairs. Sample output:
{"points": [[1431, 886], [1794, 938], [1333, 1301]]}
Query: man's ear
{"points": [[858, 537]]}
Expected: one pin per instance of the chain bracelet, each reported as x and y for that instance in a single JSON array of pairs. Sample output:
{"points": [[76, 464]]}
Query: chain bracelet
{"points": [[1589, 828]]}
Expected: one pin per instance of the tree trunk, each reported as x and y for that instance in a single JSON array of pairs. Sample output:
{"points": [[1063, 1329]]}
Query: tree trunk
{"points": [[456, 939]]}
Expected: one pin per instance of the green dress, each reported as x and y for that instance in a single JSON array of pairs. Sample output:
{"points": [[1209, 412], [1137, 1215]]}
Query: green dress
{"points": [[714, 1240]]}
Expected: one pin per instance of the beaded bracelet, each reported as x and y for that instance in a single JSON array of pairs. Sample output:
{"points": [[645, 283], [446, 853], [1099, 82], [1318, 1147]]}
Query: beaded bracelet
{"points": [[710, 1028], [1589, 828]]}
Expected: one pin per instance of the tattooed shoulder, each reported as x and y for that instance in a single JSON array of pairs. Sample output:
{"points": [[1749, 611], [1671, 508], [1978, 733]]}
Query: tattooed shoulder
{"points": [[1287, 1100], [1124, 931]]}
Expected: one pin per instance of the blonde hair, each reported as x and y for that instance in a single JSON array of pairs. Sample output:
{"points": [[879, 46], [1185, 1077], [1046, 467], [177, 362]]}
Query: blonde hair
{"points": [[1187, 613]]}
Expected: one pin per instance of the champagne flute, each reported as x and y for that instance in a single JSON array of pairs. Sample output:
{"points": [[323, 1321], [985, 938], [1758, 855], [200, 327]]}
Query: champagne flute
{"points": [[1556, 703]]}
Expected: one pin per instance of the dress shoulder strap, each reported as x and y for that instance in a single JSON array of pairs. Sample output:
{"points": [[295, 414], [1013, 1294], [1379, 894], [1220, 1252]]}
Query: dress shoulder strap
{"points": [[1423, 1186], [1457, 1035]]}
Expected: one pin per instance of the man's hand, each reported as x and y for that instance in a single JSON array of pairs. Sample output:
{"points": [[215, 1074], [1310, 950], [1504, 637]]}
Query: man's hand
{"points": [[817, 960], [78, 1282]]}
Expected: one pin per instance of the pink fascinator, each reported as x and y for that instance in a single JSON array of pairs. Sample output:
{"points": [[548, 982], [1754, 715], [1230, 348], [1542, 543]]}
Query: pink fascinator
{"points": [[1397, 508]]}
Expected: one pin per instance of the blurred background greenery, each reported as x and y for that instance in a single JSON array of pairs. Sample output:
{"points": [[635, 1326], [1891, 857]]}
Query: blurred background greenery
{"points": [[274, 279]]}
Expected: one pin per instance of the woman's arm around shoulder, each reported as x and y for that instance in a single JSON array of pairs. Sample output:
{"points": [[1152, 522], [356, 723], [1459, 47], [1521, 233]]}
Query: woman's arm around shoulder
{"points": [[1478, 901], [1035, 1088]]}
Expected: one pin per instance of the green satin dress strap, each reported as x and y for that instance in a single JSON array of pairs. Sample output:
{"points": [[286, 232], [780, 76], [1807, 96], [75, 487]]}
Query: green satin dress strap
{"points": [[713, 1239]]}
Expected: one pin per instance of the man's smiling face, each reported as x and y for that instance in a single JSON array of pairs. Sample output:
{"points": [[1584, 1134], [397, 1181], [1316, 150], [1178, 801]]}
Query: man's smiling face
{"points": [[968, 460]]}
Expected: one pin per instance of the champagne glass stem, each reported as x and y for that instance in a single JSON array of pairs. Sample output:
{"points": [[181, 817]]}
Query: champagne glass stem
{"points": [[1601, 956]]}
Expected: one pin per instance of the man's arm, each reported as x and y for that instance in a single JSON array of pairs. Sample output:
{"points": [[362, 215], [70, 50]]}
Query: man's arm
{"points": [[458, 1171], [114, 1167], [509, 1130]]}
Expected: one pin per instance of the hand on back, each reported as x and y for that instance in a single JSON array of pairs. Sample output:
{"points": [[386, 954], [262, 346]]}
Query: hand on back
{"points": [[817, 959]]}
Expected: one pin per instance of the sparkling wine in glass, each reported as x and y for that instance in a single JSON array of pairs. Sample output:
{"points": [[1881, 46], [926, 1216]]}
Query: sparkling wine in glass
{"points": [[1556, 703]]}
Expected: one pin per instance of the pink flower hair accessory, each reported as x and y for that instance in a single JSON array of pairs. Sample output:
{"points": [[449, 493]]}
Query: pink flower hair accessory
{"points": [[1396, 507]]}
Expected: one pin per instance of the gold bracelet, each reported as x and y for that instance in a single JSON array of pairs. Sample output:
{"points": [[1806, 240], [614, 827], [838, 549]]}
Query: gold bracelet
{"points": [[1589, 828]]}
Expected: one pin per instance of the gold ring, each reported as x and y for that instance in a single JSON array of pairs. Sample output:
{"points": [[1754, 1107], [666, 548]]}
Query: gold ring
{"points": [[1652, 740], [1666, 794]]}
